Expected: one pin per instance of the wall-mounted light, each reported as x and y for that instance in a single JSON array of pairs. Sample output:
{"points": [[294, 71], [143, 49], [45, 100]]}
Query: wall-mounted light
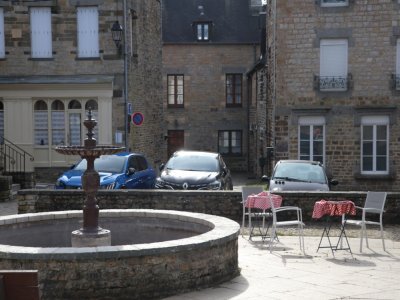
{"points": [[117, 31]]}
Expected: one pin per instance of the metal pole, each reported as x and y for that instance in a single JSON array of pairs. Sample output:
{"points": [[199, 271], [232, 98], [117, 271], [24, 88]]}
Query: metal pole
{"points": [[125, 76]]}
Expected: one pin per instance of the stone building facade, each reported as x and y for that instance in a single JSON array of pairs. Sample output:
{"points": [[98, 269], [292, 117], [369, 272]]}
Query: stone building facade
{"points": [[208, 49], [58, 59], [334, 87]]}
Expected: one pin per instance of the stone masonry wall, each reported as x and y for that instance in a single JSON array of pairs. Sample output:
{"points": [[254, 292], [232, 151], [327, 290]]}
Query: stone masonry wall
{"points": [[222, 203], [204, 68], [372, 29]]}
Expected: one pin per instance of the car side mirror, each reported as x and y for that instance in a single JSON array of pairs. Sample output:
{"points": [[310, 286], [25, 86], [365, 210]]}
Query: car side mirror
{"points": [[265, 178], [334, 182], [73, 166], [161, 167], [130, 171]]}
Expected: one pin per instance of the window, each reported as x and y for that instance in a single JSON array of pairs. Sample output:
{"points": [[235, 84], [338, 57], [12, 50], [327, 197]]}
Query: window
{"points": [[230, 142], [375, 145], [88, 31], [311, 138], [41, 123], [332, 3], [233, 89], [41, 39], [175, 90], [57, 123], [2, 39], [202, 30], [333, 65], [74, 112]]}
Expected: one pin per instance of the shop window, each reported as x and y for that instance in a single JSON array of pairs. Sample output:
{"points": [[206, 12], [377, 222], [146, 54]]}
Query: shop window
{"points": [[57, 123]]}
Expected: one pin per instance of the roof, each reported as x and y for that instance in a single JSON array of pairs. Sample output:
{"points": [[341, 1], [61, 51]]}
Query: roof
{"points": [[232, 21]]}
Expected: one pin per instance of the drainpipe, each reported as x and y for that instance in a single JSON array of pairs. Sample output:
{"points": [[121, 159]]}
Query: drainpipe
{"points": [[125, 77]]}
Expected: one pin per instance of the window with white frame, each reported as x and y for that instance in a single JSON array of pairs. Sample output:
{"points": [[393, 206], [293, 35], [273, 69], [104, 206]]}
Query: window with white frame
{"points": [[2, 38], [375, 145], [88, 31], [334, 3], [312, 138], [333, 64], [41, 38], [57, 123], [398, 64], [41, 124]]}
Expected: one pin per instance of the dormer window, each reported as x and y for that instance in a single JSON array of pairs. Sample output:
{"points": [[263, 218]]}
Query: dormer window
{"points": [[202, 31]]}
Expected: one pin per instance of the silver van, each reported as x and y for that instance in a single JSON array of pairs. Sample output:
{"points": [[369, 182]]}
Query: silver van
{"points": [[299, 175]]}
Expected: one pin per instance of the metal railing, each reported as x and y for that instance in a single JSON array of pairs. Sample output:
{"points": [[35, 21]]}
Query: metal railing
{"points": [[13, 158], [395, 81], [332, 83]]}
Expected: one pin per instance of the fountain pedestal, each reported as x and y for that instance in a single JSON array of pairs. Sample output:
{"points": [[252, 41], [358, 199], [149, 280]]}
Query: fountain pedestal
{"points": [[90, 235]]}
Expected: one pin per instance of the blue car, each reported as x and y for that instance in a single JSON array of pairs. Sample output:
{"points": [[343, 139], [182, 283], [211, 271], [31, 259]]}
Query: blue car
{"points": [[118, 171]]}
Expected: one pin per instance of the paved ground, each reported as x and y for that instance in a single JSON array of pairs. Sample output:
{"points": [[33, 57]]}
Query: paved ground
{"points": [[288, 274]]}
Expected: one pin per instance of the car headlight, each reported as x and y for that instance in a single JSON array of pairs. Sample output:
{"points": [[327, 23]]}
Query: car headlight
{"points": [[277, 189], [60, 184], [216, 185]]}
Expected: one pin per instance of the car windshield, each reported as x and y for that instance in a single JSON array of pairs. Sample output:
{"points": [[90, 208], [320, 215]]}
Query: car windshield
{"points": [[300, 172], [105, 163], [193, 163]]}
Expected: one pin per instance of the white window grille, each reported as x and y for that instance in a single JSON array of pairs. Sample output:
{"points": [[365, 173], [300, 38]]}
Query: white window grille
{"points": [[333, 65], [375, 145], [88, 31], [41, 123], [202, 32], [2, 39], [334, 3], [312, 138], [41, 37]]}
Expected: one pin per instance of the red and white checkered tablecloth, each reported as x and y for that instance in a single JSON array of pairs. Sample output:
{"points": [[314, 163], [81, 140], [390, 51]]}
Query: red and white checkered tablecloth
{"points": [[333, 208], [261, 201]]}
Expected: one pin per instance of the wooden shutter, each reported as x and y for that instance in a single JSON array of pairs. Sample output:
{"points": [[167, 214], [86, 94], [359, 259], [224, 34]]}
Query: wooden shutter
{"points": [[333, 58], [88, 31], [41, 46], [2, 44]]}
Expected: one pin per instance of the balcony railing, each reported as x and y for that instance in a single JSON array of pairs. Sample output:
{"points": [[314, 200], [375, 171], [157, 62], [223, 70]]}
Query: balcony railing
{"points": [[396, 82], [332, 83]]}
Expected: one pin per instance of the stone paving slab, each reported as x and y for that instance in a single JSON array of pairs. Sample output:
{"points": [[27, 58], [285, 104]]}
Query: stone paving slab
{"points": [[287, 274]]}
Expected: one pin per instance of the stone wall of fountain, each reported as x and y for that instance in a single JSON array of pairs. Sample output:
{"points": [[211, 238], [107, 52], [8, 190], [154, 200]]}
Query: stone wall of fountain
{"points": [[131, 271]]}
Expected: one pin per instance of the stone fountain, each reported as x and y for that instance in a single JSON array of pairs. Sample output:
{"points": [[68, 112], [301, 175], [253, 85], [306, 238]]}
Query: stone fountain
{"points": [[91, 234], [152, 253]]}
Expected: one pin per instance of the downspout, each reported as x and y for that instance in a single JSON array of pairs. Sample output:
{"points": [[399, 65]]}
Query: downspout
{"points": [[125, 78]]}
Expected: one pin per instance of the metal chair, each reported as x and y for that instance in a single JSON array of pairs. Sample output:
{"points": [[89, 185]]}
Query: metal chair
{"points": [[374, 204], [247, 191], [298, 221]]}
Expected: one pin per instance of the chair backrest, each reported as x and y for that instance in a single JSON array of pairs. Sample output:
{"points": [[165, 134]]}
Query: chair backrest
{"points": [[249, 190], [375, 200]]}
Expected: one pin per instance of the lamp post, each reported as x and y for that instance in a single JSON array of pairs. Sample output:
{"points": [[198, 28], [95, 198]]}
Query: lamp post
{"points": [[118, 33]]}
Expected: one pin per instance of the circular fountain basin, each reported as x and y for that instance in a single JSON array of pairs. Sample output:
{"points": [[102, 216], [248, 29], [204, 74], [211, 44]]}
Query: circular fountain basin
{"points": [[154, 253]]}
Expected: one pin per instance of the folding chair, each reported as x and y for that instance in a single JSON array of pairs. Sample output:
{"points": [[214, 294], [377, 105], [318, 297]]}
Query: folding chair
{"points": [[374, 204], [292, 222], [247, 191]]}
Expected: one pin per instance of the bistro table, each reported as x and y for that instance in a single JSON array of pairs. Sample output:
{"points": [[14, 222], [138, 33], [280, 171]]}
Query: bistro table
{"points": [[329, 210], [261, 202]]}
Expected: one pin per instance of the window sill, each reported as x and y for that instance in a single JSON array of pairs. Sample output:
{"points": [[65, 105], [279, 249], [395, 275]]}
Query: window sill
{"points": [[390, 176], [41, 58], [175, 106], [87, 58]]}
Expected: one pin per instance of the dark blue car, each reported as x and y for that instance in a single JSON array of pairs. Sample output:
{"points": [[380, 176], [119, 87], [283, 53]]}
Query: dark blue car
{"points": [[118, 171]]}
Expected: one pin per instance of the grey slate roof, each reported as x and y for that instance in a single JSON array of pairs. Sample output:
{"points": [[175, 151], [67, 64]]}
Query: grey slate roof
{"points": [[231, 19]]}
